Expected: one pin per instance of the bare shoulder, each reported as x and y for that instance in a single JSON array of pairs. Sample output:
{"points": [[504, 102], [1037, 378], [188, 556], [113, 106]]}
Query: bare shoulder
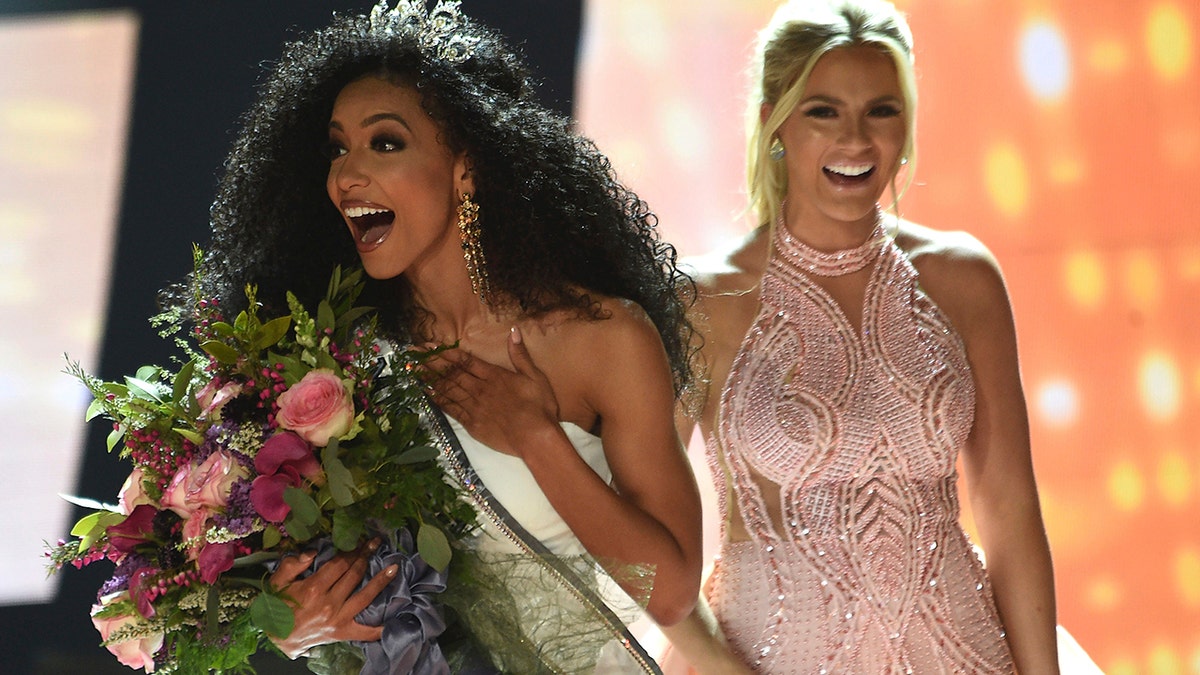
{"points": [[944, 251], [736, 266], [619, 330], [956, 269], [728, 277]]}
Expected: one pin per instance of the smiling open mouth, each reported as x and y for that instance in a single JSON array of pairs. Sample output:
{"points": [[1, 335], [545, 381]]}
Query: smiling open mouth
{"points": [[371, 225], [849, 173]]}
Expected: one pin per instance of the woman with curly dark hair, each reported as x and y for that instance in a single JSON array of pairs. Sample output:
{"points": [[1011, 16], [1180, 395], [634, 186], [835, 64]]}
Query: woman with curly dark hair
{"points": [[410, 141]]}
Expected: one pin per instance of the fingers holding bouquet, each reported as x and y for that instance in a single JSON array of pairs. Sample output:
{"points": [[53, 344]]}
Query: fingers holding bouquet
{"points": [[327, 601]]}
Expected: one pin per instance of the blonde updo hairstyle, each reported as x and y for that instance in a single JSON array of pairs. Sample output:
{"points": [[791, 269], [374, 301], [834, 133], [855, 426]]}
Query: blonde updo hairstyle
{"points": [[798, 35]]}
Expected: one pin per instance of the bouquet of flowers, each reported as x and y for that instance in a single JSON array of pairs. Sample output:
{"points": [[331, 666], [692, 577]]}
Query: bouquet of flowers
{"points": [[274, 436]]}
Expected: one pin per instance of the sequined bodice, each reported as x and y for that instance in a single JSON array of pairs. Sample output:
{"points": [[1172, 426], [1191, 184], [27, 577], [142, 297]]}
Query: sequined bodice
{"points": [[839, 445]]}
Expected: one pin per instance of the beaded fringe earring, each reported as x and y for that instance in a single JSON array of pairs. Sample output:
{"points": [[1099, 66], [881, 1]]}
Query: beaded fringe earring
{"points": [[468, 227]]}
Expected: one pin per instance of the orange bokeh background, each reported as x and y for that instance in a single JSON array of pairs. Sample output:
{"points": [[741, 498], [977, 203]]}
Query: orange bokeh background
{"points": [[1066, 136]]}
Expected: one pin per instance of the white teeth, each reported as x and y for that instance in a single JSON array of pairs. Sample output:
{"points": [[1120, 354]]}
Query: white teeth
{"points": [[850, 169], [360, 211]]}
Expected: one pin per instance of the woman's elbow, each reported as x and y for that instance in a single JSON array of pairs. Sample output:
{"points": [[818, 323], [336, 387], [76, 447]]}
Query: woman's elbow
{"points": [[668, 606]]}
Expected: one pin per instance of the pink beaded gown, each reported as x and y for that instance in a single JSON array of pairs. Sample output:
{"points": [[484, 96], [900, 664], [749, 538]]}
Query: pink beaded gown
{"points": [[839, 446]]}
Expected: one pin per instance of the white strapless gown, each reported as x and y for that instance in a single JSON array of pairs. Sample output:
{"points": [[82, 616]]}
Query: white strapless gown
{"points": [[513, 485]]}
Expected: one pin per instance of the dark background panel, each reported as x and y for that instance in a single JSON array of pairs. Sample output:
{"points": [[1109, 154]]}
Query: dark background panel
{"points": [[197, 66]]}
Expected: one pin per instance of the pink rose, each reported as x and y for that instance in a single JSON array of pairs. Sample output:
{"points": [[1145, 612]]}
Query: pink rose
{"points": [[134, 652], [212, 398], [212, 559], [193, 531], [318, 407], [206, 485], [132, 494], [285, 460]]}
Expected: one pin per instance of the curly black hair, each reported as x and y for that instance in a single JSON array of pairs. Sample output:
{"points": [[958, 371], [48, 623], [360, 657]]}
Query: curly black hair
{"points": [[556, 222]]}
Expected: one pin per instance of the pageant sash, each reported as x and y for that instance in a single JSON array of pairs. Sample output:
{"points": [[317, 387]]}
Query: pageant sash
{"points": [[567, 577]]}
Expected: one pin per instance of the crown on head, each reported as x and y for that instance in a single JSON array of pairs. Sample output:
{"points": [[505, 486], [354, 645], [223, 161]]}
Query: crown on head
{"points": [[438, 29]]}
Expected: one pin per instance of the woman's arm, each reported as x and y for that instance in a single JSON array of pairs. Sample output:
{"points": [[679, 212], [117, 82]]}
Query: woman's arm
{"points": [[651, 514], [997, 462], [698, 640]]}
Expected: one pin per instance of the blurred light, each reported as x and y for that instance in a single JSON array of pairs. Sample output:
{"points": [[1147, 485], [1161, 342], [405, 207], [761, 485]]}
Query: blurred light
{"points": [[1189, 265], [645, 26], [1123, 666], [1180, 143], [1045, 60], [1108, 56], [1159, 384], [1006, 179], [1187, 576], [1126, 488], [1174, 478], [1085, 279], [1164, 660], [1066, 170], [681, 126], [1168, 41], [1142, 280], [1058, 403], [44, 133], [1104, 594]]}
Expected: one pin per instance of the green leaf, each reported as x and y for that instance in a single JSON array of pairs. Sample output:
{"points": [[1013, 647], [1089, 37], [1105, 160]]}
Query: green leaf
{"points": [[270, 613], [352, 315], [192, 436], [255, 558], [433, 546], [325, 318], [272, 332], [220, 351], [221, 328], [271, 536], [147, 373], [241, 322], [296, 529], [324, 360], [91, 527], [182, 380], [337, 477], [335, 282], [304, 509], [347, 530], [421, 453], [143, 389], [94, 410], [293, 369], [114, 437]]}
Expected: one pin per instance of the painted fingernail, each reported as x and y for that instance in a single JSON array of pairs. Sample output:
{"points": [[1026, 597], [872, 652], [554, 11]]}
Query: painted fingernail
{"points": [[391, 570], [373, 544]]}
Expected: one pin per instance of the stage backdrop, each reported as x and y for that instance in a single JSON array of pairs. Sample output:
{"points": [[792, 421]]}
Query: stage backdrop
{"points": [[1065, 134]]}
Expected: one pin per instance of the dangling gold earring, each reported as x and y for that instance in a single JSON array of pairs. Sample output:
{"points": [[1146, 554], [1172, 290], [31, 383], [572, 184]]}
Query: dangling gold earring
{"points": [[468, 228], [776, 150]]}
